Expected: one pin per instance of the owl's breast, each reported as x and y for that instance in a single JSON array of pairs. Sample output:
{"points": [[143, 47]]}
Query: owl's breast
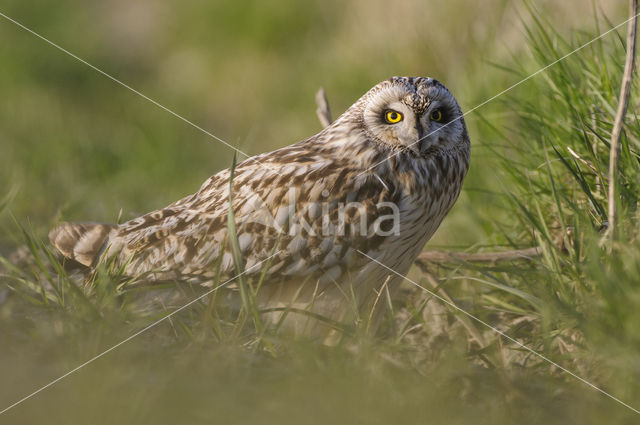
{"points": [[426, 194]]}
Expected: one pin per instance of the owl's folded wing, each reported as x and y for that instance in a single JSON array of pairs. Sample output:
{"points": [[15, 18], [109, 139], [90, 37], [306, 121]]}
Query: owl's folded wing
{"points": [[300, 218]]}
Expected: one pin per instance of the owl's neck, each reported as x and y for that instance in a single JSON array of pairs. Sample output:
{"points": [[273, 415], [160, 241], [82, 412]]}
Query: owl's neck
{"points": [[435, 168]]}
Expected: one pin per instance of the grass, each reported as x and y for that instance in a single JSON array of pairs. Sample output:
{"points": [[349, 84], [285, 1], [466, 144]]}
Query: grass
{"points": [[538, 178]]}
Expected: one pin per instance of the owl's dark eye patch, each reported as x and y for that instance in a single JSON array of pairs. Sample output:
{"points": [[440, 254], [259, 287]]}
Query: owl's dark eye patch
{"points": [[441, 114]]}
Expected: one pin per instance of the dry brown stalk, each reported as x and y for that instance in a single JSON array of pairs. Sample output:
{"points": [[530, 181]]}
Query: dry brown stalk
{"points": [[623, 103], [323, 112]]}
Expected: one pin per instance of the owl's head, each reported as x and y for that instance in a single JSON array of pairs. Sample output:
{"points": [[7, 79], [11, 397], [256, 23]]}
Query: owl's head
{"points": [[413, 113]]}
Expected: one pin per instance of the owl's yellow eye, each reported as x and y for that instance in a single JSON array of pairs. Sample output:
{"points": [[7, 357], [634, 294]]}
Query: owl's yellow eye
{"points": [[436, 115], [392, 117]]}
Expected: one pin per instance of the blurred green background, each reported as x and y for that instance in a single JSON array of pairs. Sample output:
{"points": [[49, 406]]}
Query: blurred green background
{"points": [[75, 145]]}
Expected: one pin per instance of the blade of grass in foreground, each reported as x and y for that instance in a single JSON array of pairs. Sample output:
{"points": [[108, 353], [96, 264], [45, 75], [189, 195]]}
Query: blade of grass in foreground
{"points": [[248, 300]]}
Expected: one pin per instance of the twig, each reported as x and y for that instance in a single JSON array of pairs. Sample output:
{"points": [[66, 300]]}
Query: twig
{"points": [[323, 112], [616, 133], [480, 257], [581, 159]]}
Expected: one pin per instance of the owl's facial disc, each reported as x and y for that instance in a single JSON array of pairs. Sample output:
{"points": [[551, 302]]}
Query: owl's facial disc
{"points": [[394, 122], [418, 117]]}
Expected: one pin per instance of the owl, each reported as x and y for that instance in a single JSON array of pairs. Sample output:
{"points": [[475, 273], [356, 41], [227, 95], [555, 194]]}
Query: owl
{"points": [[310, 217]]}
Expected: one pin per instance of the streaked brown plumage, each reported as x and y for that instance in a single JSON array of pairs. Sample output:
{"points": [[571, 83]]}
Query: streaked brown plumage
{"points": [[345, 162]]}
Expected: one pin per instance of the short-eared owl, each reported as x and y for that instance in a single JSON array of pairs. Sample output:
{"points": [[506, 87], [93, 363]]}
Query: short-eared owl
{"points": [[378, 180]]}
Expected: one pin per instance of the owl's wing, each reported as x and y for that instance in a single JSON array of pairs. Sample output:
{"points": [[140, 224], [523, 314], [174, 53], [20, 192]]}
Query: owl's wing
{"points": [[312, 212]]}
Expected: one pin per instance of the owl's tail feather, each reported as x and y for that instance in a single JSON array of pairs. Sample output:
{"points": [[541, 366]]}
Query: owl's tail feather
{"points": [[81, 242]]}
